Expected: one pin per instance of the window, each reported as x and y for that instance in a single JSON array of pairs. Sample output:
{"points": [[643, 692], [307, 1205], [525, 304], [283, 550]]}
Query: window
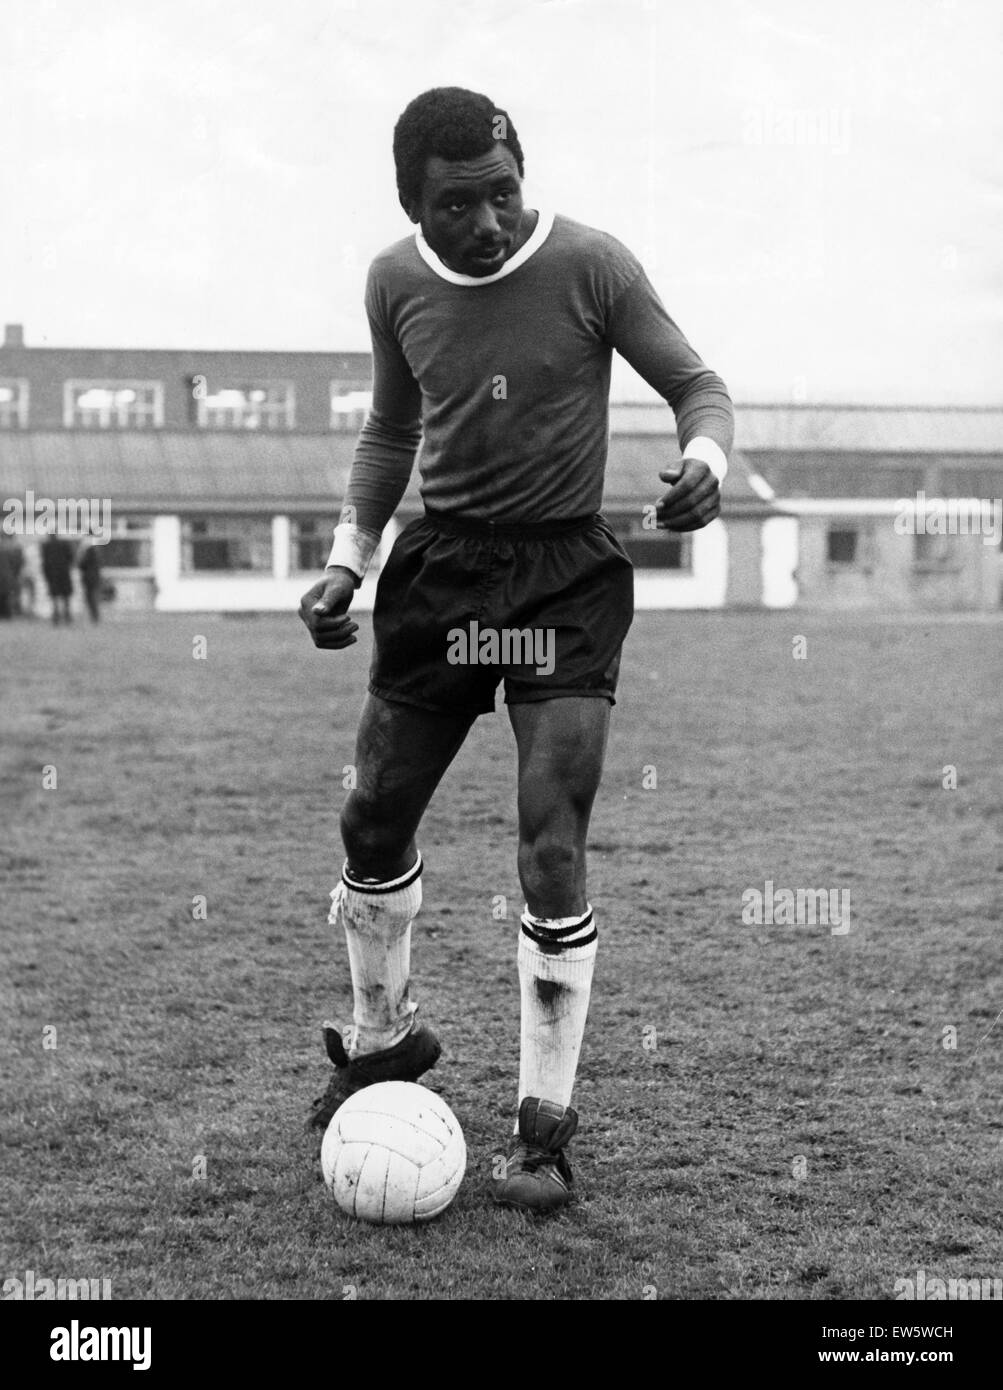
{"points": [[256, 405], [851, 546], [226, 543], [350, 403], [650, 548], [310, 541], [131, 544], [841, 546], [13, 404], [108, 405]]}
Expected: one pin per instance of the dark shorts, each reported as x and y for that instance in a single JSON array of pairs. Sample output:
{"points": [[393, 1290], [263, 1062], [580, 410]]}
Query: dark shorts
{"points": [[460, 605]]}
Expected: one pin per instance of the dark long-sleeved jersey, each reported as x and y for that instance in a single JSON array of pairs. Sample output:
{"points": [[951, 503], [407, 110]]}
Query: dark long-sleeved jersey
{"points": [[505, 379]]}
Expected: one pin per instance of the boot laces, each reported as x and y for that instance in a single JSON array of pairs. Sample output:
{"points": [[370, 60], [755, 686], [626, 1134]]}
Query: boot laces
{"points": [[532, 1157]]}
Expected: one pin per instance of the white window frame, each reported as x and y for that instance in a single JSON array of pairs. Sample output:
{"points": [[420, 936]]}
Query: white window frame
{"points": [[18, 408], [287, 407], [106, 419], [349, 421]]}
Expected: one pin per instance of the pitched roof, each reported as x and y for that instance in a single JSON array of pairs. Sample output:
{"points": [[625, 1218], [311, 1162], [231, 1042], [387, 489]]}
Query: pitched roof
{"points": [[806, 428], [165, 470], [635, 461], [172, 470]]}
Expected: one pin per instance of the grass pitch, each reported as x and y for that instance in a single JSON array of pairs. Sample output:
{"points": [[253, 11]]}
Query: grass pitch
{"points": [[768, 1111]]}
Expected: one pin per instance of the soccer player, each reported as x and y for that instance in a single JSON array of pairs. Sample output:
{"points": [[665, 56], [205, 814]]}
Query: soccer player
{"points": [[493, 328]]}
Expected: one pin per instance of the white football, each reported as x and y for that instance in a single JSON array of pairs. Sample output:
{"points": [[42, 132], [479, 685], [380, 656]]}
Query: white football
{"points": [[393, 1153]]}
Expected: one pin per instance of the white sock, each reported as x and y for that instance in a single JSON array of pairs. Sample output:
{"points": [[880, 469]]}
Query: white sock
{"points": [[377, 920], [556, 960]]}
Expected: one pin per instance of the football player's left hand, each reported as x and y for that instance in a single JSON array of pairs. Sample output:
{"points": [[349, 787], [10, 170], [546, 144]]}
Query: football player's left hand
{"points": [[693, 500]]}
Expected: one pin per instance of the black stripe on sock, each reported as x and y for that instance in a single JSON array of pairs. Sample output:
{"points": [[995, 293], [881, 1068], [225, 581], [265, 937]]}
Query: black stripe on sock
{"points": [[552, 943], [394, 887], [556, 933]]}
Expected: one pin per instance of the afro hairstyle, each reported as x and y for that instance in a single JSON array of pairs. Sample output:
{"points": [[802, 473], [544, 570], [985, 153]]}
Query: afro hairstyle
{"points": [[451, 123]]}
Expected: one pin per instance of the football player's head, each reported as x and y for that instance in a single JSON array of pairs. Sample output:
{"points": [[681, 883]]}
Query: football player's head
{"points": [[450, 123], [459, 174]]}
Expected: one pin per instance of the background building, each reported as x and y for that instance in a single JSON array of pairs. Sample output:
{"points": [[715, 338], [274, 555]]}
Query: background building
{"points": [[224, 471]]}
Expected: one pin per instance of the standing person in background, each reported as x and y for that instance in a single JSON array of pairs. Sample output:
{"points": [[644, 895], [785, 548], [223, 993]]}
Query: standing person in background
{"points": [[57, 566], [31, 580], [89, 565], [11, 565]]}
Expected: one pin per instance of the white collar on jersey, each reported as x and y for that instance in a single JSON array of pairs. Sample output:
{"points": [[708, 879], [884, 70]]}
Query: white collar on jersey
{"points": [[541, 231]]}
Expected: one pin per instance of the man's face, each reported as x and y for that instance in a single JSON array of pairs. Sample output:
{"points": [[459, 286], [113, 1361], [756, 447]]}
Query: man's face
{"points": [[471, 210]]}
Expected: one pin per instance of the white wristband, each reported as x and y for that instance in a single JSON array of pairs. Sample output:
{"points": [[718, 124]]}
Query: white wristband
{"points": [[353, 548], [706, 451]]}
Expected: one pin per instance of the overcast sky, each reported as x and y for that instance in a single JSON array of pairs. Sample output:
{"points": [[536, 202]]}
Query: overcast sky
{"points": [[815, 188]]}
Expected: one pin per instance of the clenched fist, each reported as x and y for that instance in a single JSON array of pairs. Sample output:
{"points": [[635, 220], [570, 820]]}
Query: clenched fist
{"points": [[692, 501], [324, 609]]}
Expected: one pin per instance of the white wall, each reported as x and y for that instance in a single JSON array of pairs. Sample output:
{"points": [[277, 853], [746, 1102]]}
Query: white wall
{"points": [[213, 592], [703, 587], [779, 561]]}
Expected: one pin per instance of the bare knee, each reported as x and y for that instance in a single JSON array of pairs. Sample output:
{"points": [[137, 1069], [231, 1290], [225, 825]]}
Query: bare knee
{"points": [[552, 873], [550, 856], [376, 844]]}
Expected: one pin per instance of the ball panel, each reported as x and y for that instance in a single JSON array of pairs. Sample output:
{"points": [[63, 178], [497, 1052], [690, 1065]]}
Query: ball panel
{"points": [[371, 1188], [408, 1099], [439, 1183], [330, 1147], [343, 1175], [392, 1132], [399, 1194]]}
